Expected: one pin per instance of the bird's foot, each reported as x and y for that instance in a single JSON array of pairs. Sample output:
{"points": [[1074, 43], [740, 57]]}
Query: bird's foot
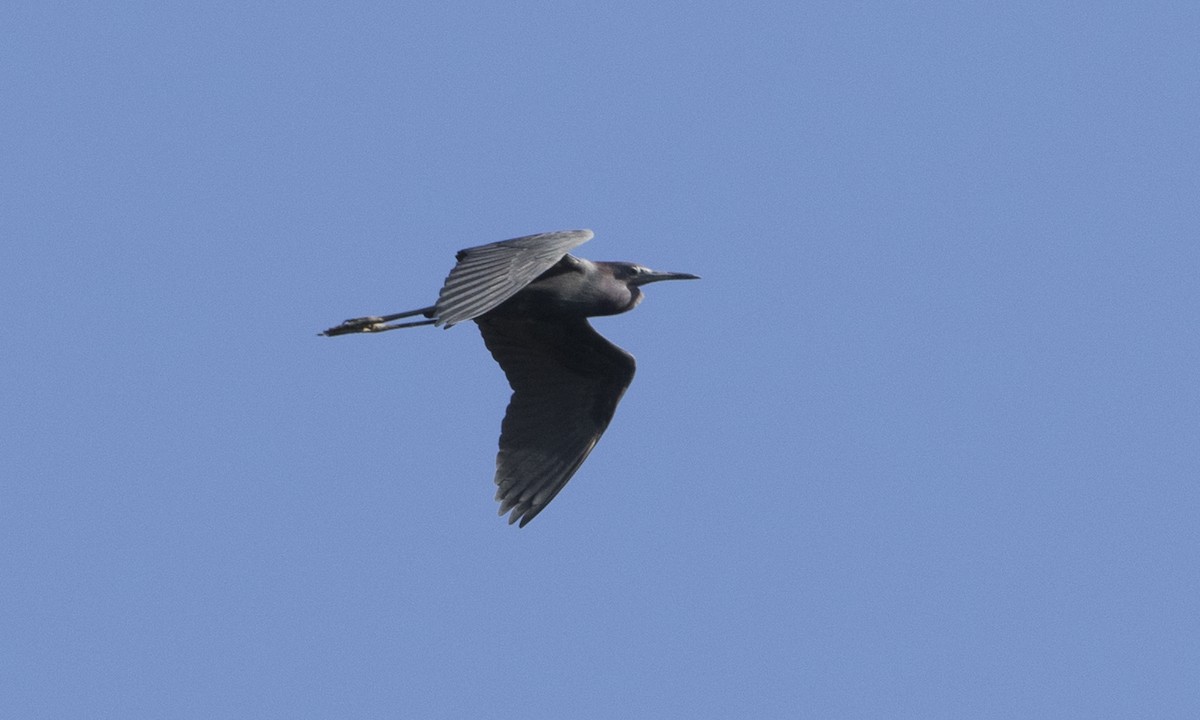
{"points": [[357, 325]]}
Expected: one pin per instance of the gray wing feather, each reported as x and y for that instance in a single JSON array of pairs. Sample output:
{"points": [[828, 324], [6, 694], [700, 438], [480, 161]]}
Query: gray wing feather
{"points": [[566, 380], [487, 275]]}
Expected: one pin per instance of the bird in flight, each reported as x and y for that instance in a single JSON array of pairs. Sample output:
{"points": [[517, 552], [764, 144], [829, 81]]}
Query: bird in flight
{"points": [[531, 301]]}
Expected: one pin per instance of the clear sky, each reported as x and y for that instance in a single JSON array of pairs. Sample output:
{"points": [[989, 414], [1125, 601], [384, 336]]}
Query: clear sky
{"points": [[923, 443]]}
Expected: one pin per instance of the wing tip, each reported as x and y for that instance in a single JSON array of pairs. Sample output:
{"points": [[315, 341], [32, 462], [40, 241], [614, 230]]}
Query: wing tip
{"points": [[518, 510]]}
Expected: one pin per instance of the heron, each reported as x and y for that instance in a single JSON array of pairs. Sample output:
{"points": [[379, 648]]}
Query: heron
{"points": [[531, 301]]}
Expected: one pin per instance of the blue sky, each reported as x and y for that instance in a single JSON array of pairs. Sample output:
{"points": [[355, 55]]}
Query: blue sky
{"points": [[921, 444]]}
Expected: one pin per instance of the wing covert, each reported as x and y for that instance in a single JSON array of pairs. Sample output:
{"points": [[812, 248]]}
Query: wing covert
{"points": [[487, 275]]}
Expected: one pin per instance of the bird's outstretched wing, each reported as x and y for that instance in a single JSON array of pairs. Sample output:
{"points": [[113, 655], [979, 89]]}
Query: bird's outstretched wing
{"points": [[487, 275], [566, 380]]}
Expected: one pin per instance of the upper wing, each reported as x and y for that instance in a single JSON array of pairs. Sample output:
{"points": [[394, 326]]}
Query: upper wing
{"points": [[566, 381], [487, 275]]}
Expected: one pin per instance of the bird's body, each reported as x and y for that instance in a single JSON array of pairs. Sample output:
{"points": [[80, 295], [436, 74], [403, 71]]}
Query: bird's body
{"points": [[531, 301]]}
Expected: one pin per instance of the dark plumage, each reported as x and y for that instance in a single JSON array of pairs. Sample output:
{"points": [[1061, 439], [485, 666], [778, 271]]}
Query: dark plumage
{"points": [[531, 301]]}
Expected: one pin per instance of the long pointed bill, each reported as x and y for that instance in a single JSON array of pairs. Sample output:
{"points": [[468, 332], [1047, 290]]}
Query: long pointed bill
{"points": [[656, 275]]}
